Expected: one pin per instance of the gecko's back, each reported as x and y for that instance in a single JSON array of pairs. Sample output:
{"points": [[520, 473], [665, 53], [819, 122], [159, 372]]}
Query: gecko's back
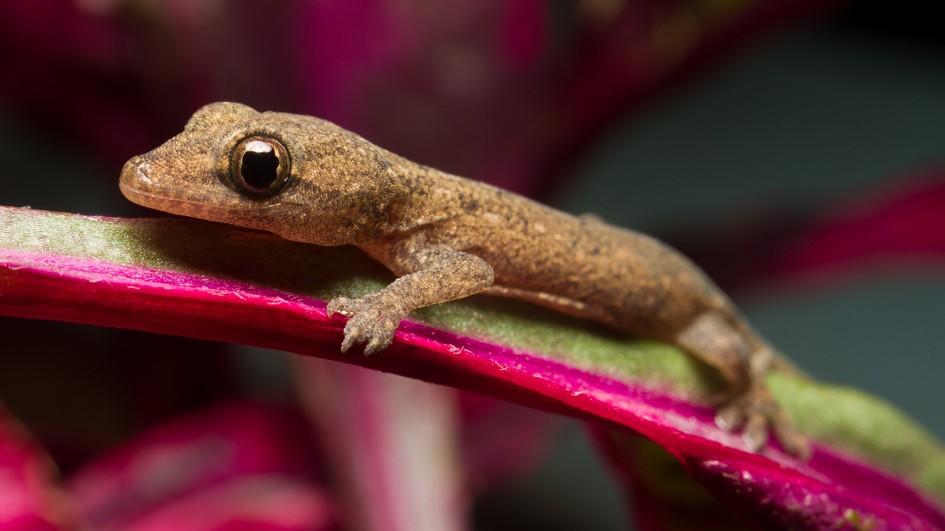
{"points": [[576, 264]]}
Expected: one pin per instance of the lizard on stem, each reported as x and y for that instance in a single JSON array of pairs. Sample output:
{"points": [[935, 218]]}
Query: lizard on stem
{"points": [[446, 237]]}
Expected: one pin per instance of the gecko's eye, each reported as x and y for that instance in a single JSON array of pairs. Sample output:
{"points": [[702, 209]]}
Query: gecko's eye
{"points": [[259, 166]]}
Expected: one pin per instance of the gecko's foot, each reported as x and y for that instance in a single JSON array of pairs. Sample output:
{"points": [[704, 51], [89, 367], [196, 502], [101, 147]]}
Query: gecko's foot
{"points": [[757, 412], [744, 363], [369, 323]]}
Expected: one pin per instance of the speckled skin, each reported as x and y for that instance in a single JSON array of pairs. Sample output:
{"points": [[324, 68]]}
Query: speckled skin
{"points": [[447, 238]]}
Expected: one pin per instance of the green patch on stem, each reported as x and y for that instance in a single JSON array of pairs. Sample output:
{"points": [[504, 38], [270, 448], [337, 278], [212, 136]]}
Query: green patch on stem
{"points": [[849, 419]]}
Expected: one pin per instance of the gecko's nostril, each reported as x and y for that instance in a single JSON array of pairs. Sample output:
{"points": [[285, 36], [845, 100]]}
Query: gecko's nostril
{"points": [[134, 174]]}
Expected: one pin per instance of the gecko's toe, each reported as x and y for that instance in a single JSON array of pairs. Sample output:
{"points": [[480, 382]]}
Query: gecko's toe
{"points": [[352, 335], [730, 417], [374, 345], [368, 325], [342, 305], [379, 333], [357, 330], [757, 413], [792, 440], [755, 433]]}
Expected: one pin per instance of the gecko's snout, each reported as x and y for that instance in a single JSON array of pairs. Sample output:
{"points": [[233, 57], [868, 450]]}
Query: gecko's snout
{"points": [[135, 180], [129, 170]]}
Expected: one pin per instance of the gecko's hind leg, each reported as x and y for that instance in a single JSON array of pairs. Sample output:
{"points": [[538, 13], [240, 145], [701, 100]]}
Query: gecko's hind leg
{"points": [[744, 365]]}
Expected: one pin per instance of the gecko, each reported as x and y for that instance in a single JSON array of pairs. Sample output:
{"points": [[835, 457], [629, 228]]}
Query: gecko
{"points": [[446, 238]]}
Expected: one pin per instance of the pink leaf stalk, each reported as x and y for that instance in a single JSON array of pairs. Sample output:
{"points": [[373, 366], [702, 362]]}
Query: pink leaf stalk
{"points": [[391, 444], [149, 275]]}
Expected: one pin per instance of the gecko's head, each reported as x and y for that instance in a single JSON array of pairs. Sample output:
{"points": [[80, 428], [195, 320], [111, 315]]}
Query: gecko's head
{"points": [[300, 177]]}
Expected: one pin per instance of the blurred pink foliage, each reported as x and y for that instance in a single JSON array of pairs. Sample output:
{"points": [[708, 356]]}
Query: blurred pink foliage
{"points": [[503, 91], [901, 225], [29, 497], [241, 462]]}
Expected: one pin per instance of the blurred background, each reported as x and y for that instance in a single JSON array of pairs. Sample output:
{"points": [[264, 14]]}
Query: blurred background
{"points": [[794, 148]]}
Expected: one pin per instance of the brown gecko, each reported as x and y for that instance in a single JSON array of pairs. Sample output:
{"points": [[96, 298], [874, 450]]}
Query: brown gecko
{"points": [[445, 238]]}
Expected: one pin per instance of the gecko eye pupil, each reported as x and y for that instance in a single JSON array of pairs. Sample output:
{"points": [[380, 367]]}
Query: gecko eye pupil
{"points": [[259, 166]]}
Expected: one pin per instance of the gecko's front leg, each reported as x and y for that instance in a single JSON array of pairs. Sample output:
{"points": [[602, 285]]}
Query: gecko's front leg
{"points": [[434, 274]]}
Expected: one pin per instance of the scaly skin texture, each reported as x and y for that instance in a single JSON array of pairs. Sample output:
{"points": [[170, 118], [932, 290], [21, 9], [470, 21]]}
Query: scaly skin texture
{"points": [[445, 238]]}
